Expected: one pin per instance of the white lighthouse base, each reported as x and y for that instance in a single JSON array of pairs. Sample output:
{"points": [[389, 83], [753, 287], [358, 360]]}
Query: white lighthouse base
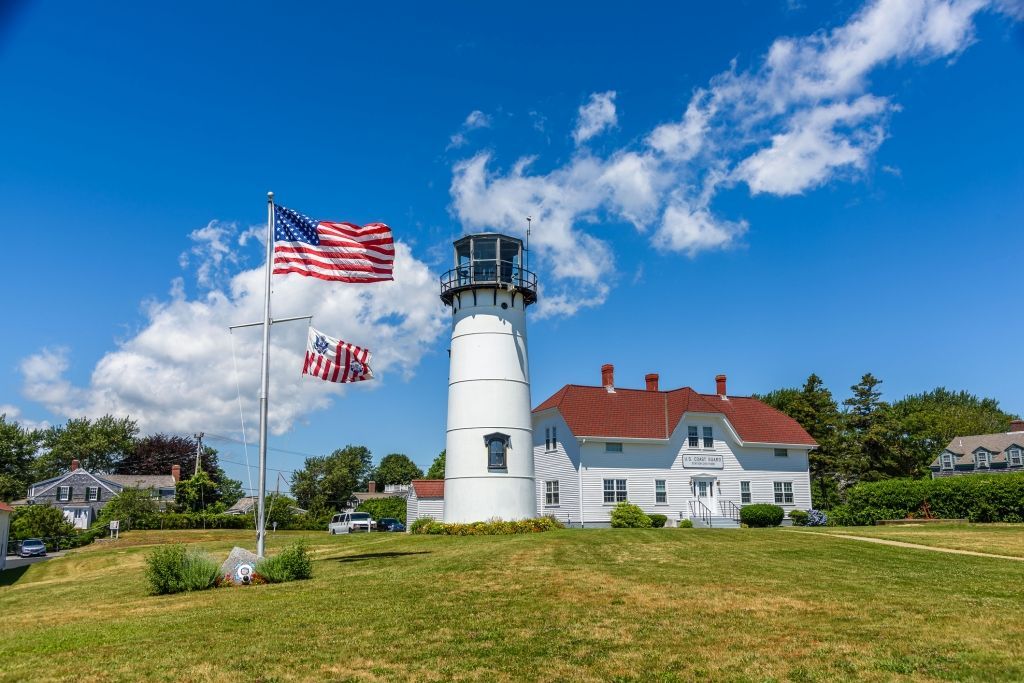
{"points": [[479, 499]]}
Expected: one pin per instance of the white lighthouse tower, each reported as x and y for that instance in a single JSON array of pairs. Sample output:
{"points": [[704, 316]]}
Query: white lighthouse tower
{"points": [[489, 463]]}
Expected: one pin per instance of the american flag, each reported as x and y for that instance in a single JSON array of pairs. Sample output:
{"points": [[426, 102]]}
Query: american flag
{"points": [[343, 252], [333, 360]]}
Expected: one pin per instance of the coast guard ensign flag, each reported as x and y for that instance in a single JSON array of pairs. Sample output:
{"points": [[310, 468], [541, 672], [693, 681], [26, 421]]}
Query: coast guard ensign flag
{"points": [[333, 360], [341, 252]]}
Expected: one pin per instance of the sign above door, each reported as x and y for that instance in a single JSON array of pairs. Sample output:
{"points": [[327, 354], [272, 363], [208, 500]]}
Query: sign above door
{"points": [[706, 460]]}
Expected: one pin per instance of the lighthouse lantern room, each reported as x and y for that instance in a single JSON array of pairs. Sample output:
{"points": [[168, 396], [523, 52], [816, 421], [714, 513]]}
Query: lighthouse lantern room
{"points": [[489, 462]]}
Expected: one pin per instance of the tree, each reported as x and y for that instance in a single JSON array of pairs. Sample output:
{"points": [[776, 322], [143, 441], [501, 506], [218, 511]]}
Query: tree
{"points": [[40, 521], [436, 470], [157, 453], [280, 509], [866, 414], [326, 482], [18, 447], [396, 468], [384, 507], [916, 428], [98, 445], [196, 493], [132, 507]]}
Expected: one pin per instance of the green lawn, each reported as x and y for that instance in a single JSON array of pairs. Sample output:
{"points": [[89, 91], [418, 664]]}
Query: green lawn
{"points": [[622, 605], [999, 539]]}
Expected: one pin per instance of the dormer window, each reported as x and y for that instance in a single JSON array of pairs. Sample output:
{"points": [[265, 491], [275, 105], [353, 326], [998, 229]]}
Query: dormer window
{"points": [[1015, 457], [497, 451], [947, 461], [982, 459]]}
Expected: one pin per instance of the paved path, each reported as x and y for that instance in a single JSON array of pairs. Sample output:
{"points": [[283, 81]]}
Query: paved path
{"points": [[13, 561], [904, 544]]}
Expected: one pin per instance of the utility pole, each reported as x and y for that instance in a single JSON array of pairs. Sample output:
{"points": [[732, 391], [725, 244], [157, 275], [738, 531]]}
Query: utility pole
{"points": [[199, 451]]}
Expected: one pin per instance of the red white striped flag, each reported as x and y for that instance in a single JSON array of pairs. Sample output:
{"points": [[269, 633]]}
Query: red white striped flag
{"points": [[343, 252], [333, 360]]}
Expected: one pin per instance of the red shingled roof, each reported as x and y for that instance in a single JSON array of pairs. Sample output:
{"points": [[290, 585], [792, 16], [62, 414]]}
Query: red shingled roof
{"points": [[639, 414], [6, 508], [428, 488]]}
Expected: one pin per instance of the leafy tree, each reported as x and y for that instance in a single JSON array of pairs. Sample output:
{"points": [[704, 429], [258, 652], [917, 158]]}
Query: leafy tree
{"points": [[229, 491], [39, 521], [196, 493], [99, 445], [916, 428], [157, 453], [326, 482], [280, 509], [132, 507], [396, 468], [384, 507], [436, 470], [18, 447]]}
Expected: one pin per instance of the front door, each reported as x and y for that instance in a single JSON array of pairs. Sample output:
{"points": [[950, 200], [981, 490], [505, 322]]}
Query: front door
{"points": [[705, 492]]}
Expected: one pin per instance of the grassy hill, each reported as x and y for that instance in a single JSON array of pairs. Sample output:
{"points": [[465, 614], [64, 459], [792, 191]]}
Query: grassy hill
{"points": [[623, 605]]}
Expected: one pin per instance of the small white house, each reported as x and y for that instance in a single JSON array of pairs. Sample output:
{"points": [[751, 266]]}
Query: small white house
{"points": [[679, 453], [5, 526], [426, 499]]}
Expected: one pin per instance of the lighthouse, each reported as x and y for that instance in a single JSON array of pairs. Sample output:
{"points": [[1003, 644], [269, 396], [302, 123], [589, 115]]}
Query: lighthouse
{"points": [[489, 463]]}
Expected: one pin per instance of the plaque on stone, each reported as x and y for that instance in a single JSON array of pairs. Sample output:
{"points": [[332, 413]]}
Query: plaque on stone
{"points": [[239, 567]]}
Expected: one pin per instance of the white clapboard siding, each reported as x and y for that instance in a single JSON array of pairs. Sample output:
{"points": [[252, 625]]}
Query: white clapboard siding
{"points": [[640, 464], [557, 465], [415, 508]]}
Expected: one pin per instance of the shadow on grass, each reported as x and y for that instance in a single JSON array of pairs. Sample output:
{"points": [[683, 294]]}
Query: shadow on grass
{"points": [[375, 556], [9, 577]]}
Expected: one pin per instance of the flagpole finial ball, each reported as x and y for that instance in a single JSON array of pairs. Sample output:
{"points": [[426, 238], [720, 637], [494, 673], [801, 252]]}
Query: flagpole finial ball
{"points": [[270, 196]]}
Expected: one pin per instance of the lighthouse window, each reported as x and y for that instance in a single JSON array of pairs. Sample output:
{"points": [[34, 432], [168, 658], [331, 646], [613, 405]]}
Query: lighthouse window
{"points": [[497, 448], [485, 259]]}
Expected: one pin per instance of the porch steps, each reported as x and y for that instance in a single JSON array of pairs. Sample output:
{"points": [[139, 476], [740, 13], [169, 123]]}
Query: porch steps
{"points": [[716, 523]]}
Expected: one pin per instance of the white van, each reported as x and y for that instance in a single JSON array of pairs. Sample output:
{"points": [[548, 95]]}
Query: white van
{"points": [[348, 522]]}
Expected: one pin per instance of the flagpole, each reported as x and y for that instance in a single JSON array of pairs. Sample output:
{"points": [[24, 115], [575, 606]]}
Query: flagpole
{"points": [[265, 383]]}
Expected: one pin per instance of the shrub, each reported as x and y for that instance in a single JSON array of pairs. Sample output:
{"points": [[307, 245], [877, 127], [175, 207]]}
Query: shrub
{"points": [[761, 515], [658, 521], [134, 508], [686, 524], [291, 564], [494, 527], [39, 521], [384, 507], [174, 569], [625, 515], [799, 517]]}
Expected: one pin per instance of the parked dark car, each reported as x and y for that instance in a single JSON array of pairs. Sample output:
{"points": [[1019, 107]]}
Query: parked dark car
{"points": [[32, 547], [389, 524]]}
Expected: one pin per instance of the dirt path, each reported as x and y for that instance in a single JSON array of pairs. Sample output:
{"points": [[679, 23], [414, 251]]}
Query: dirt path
{"points": [[904, 544]]}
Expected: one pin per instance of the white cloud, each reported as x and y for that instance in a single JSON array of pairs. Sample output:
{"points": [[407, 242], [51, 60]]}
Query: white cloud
{"points": [[801, 117], [595, 116], [476, 119], [176, 373], [13, 414]]}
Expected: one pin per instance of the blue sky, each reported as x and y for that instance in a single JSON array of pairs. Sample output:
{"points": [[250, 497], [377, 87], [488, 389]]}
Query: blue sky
{"points": [[763, 189]]}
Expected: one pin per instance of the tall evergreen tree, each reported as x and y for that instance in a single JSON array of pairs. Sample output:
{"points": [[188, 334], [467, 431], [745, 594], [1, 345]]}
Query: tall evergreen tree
{"points": [[866, 418]]}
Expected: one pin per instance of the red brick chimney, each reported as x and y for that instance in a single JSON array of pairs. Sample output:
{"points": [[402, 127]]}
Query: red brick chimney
{"points": [[176, 473], [652, 381], [1017, 425], [372, 487], [608, 376], [74, 465], [720, 385]]}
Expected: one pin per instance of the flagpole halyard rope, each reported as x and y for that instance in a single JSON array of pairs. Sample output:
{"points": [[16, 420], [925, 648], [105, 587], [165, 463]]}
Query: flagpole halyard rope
{"points": [[241, 418]]}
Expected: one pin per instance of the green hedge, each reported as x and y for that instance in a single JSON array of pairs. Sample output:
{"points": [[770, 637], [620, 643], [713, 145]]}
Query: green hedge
{"points": [[496, 528], [658, 521], [384, 507], [976, 497], [762, 514], [625, 515]]}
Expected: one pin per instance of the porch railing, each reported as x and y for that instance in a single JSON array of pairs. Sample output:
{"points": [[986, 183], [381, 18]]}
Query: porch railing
{"points": [[699, 509], [730, 509]]}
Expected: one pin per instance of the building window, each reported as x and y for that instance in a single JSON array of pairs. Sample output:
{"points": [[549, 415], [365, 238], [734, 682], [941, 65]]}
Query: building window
{"points": [[947, 461], [783, 492], [92, 493], [744, 491], [694, 441], [613, 447], [547, 438], [982, 459], [497, 449], [614, 490], [781, 452], [709, 438], [1016, 458], [660, 494], [551, 493], [554, 438], [64, 493]]}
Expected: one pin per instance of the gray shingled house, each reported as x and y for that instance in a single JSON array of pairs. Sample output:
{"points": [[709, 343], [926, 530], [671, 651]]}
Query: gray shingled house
{"points": [[82, 494], [983, 453]]}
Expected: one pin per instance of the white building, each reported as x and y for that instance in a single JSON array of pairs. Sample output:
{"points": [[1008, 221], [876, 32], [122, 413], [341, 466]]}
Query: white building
{"points": [[489, 442], [679, 453], [5, 524], [426, 499]]}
